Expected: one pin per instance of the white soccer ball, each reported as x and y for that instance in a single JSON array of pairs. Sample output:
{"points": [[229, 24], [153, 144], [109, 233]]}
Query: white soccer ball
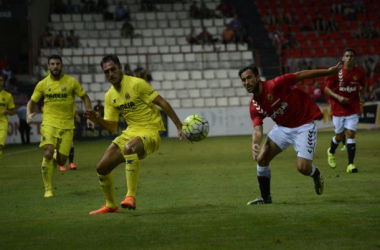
{"points": [[195, 127]]}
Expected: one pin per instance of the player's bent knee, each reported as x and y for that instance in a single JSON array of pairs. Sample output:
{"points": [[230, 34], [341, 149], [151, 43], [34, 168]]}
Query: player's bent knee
{"points": [[262, 161]]}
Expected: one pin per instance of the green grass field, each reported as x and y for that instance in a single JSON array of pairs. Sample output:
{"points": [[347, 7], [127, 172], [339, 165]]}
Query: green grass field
{"points": [[194, 197]]}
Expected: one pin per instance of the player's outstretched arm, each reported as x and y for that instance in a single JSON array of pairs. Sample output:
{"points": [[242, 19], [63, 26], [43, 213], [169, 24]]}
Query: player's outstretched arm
{"points": [[30, 107], [307, 74], [167, 108]]}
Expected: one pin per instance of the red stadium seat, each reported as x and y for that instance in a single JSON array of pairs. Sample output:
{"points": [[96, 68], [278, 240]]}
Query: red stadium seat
{"points": [[331, 52], [334, 35], [351, 43], [327, 43], [311, 36], [353, 25], [295, 53], [323, 36], [376, 50], [373, 42], [366, 50], [361, 17], [315, 44], [307, 52], [346, 34], [320, 52], [299, 36], [339, 43], [362, 42]]}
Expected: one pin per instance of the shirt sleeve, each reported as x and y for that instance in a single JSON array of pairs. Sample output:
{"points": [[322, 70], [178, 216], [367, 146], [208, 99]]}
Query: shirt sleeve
{"points": [[284, 81], [11, 104], [37, 93], [146, 92], [330, 81], [110, 113], [78, 89], [256, 117]]}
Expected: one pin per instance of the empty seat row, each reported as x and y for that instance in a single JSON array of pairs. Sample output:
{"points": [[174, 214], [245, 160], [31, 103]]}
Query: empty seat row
{"points": [[165, 24], [89, 55], [196, 84], [130, 49]]}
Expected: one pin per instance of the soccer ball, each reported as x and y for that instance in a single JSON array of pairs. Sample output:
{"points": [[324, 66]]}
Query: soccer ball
{"points": [[195, 127]]}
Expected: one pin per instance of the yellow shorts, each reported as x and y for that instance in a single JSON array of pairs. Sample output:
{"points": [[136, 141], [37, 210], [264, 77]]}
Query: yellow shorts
{"points": [[60, 138], [151, 140], [3, 136]]}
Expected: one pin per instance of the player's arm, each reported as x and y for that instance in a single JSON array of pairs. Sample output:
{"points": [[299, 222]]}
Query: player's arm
{"points": [[30, 107], [339, 98], [307, 74], [257, 137], [9, 111], [87, 102], [167, 108], [96, 117]]}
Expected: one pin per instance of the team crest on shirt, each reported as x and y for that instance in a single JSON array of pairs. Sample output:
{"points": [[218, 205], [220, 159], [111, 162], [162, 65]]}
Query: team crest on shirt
{"points": [[355, 78], [127, 96], [270, 97], [63, 88]]}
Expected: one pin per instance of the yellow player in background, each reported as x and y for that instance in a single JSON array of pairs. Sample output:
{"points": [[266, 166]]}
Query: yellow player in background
{"points": [[7, 107], [57, 128]]}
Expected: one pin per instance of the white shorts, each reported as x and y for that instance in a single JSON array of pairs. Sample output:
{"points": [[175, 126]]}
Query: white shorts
{"points": [[303, 139], [345, 122]]}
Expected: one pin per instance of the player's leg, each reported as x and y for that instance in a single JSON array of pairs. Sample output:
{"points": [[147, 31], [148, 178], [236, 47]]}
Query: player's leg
{"points": [[351, 124], [3, 136], [139, 145], [71, 158], [339, 132], [268, 151], [47, 168], [344, 142], [110, 160], [63, 147], [49, 138]]}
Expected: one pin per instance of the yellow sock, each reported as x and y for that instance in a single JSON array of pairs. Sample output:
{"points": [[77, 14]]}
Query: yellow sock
{"points": [[47, 173], [132, 171], [107, 185]]}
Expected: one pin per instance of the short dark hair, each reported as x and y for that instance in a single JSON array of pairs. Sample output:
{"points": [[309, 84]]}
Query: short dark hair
{"points": [[252, 67], [108, 58], [349, 50], [54, 56]]}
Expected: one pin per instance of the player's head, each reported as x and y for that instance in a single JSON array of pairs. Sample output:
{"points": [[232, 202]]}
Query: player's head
{"points": [[250, 77], [55, 66], [349, 58], [112, 69], [251, 67]]}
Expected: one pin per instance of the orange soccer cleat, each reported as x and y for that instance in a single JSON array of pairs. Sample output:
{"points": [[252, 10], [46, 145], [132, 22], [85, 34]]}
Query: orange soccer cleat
{"points": [[104, 210], [129, 202], [62, 168], [72, 166]]}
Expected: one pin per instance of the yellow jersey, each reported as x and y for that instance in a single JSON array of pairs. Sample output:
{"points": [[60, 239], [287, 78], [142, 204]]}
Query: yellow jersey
{"points": [[59, 100], [6, 102], [134, 103]]}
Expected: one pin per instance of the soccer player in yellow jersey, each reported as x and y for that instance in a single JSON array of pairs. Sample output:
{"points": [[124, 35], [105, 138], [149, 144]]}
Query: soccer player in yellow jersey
{"points": [[7, 107], [136, 101], [57, 128]]}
